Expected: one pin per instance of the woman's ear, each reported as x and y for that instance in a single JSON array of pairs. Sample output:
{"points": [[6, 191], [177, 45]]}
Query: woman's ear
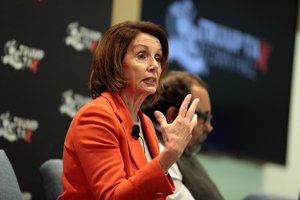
{"points": [[171, 114]]}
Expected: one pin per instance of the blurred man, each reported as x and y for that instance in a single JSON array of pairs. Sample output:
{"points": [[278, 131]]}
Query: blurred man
{"points": [[189, 176]]}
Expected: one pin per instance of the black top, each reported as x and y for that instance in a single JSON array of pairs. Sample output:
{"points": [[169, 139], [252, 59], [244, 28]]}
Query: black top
{"points": [[196, 179]]}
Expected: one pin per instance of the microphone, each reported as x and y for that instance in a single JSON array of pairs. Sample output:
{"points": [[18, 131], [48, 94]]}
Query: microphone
{"points": [[135, 131], [136, 135]]}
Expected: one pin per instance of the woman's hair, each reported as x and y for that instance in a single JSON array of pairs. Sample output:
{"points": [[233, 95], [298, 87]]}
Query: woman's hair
{"points": [[107, 71]]}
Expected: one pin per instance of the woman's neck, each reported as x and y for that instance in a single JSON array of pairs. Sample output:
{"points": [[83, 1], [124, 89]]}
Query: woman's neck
{"points": [[133, 104]]}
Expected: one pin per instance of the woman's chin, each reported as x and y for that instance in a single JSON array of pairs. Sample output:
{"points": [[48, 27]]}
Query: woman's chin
{"points": [[150, 91]]}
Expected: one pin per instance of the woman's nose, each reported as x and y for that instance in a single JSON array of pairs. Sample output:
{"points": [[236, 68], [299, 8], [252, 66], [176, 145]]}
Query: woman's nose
{"points": [[154, 64]]}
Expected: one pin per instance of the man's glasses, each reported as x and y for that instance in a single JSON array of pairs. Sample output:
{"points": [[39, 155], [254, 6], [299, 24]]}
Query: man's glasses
{"points": [[205, 117]]}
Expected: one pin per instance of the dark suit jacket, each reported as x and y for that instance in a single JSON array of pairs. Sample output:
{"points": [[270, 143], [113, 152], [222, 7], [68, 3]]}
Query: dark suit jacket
{"points": [[197, 180]]}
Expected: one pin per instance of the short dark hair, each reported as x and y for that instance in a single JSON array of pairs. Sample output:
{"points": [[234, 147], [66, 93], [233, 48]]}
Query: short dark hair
{"points": [[107, 71], [176, 85]]}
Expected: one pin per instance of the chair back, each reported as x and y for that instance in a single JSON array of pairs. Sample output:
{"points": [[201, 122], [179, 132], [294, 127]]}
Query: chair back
{"points": [[261, 196], [51, 171], [9, 186]]}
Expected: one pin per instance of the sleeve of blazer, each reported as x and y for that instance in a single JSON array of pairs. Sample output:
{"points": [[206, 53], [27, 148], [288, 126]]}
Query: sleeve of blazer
{"points": [[97, 137]]}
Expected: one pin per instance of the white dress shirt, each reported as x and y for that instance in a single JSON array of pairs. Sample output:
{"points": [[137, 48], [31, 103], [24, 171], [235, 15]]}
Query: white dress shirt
{"points": [[180, 192]]}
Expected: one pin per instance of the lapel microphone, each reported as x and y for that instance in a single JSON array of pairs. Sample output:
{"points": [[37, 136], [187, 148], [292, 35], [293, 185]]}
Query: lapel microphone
{"points": [[136, 135], [135, 131]]}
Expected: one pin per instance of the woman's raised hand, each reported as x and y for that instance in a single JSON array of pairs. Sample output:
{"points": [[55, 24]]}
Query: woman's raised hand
{"points": [[177, 134]]}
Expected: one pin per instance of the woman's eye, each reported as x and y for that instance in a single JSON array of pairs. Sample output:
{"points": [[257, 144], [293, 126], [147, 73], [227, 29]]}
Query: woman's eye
{"points": [[158, 59], [141, 56]]}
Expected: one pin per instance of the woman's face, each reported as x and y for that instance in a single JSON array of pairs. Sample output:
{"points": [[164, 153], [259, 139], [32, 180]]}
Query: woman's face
{"points": [[142, 65]]}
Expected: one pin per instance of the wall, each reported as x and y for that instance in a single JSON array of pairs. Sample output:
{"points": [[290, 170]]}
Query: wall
{"points": [[126, 10], [237, 178], [286, 180]]}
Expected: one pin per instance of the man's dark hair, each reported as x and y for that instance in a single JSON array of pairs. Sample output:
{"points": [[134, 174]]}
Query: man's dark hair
{"points": [[176, 85]]}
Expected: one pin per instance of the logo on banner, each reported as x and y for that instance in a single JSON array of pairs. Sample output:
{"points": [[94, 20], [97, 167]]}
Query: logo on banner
{"points": [[82, 38], [198, 43], [71, 102], [14, 128], [20, 56]]}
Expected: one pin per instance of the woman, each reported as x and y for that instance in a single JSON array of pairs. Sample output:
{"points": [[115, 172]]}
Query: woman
{"points": [[102, 159]]}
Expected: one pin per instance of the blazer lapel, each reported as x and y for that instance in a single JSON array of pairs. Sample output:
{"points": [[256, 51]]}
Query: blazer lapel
{"points": [[136, 150], [151, 138], [134, 145]]}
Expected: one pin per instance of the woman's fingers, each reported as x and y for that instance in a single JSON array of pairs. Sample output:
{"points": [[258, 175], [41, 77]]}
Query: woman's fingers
{"points": [[191, 111], [186, 119], [194, 121], [184, 105], [160, 118], [162, 121], [185, 110]]}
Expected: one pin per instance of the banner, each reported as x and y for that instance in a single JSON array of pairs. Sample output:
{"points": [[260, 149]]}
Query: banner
{"points": [[244, 51], [45, 58]]}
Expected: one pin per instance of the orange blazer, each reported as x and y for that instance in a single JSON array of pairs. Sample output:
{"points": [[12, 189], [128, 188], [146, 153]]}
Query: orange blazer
{"points": [[101, 160]]}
